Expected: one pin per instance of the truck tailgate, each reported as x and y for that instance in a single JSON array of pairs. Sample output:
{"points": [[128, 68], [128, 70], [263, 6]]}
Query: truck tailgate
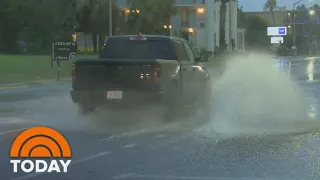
{"points": [[115, 74]]}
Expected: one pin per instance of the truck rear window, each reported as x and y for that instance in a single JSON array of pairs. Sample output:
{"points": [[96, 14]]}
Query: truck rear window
{"points": [[138, 49]]}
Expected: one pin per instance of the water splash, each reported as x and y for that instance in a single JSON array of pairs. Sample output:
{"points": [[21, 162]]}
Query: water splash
{"points": [[253, 97]]}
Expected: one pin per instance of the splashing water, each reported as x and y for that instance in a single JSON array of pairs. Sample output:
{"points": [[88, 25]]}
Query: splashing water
{"points": [[254, 97]]}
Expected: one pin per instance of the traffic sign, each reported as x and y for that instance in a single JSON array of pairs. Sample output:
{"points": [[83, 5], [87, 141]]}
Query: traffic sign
{"points": [[276, 40], [64, 51], [282, 31], [277, 31]]}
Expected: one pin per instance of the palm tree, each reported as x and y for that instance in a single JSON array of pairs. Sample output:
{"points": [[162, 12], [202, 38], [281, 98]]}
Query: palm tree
{"points": [[271, 5], [93, 17], [222, 31]]}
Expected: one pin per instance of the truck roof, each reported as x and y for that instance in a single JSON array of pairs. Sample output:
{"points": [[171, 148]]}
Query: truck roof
{"points": [[148, 36]]}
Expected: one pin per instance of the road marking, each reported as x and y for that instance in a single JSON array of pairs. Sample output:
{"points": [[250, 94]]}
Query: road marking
{"points": [[110, 138], [160, 136], [12, 87], [130, 145], [11, 120], [88, 158], [11, 131], [134, 175]]}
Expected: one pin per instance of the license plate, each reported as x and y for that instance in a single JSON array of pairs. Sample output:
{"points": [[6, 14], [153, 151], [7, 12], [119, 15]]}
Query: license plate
{"points": [[114, 94]]}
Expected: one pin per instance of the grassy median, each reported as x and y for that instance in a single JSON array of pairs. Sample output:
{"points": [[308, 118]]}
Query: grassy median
{"points": [[32, 68], [28, 68]]}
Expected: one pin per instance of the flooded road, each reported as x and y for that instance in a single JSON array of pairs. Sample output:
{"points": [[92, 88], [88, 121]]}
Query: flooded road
{"points": [[104, 147]]}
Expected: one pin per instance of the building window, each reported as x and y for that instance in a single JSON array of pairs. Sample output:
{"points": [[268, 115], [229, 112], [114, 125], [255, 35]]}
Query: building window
{"points": [[215, 39], [203, 1], [202, 25], [215, 15]]}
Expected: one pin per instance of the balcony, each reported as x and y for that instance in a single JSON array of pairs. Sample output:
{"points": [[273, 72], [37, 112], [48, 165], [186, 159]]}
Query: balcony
{"points": [[190, 3]]}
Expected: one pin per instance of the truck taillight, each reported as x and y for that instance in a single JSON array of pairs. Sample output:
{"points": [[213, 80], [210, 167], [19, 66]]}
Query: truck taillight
{"points": [[74, 72], [155, 73]]}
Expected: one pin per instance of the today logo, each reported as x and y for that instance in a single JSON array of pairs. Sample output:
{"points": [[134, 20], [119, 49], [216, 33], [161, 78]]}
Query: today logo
{"points": [[40, 149]]}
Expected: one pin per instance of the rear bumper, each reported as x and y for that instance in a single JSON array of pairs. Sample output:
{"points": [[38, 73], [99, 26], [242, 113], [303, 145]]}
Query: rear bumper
{"points": [[130, 98]]}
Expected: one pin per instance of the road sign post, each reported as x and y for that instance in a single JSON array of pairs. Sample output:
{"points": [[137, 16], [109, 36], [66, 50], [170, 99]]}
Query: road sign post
{"points": [[52, 56], [63, 51]]}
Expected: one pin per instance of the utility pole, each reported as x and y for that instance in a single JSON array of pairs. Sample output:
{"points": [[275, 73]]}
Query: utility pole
{"points": [[110, 18], [230, 38], [294, 28]]}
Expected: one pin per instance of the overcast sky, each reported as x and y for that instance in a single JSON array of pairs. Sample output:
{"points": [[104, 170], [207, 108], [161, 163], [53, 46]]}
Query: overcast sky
{"points": [[257, 5]]}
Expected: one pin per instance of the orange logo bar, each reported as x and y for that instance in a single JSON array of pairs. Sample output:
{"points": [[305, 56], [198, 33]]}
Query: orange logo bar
{"points": [[40, 142]]}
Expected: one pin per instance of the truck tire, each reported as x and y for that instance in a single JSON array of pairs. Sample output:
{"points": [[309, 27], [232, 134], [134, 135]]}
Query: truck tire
{"points": [[171, 106], [85, 109], [206, 102]]}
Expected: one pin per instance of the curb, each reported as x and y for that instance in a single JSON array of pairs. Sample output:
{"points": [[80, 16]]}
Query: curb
{"points": [[33, 83]]}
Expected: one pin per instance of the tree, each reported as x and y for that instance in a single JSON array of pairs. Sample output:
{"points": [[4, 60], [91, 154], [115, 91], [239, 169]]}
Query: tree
{"points": [[93, 16], [47, 21], [242, 19], [150, 16], [271, 5], [256, 33], [301, 7], [223, 11], [10, 24]]}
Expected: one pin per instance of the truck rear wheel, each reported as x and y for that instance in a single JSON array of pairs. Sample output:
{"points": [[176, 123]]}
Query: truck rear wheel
{"points": [[85, 109], [172, 107], [206, 104]]}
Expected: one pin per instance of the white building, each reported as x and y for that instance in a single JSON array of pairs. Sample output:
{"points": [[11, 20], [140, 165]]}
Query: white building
{"points": [[198, 21]]}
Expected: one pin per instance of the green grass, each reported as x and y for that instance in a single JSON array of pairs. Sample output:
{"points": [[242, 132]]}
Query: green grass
{"points": [[28, 68], [32, 68]]}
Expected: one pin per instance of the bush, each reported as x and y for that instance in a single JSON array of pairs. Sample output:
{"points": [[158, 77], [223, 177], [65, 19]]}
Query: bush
{"points": [[283, 51]]}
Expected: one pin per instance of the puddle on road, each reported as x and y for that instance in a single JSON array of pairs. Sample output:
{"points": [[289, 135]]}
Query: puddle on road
{"points": [[147, 120], [252, 97]]}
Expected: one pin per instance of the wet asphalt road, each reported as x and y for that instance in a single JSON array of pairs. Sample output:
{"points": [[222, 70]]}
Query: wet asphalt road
{"points": [[132, 148]]}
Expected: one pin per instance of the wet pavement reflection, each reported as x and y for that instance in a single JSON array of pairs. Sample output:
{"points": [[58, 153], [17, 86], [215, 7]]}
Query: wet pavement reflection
{"points": [[151, 150], [307, 74]]}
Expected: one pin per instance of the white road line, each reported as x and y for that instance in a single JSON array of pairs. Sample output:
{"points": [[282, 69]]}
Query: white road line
{"points": [[122, 135], [61, 93], [160, 136], [85, 159], [10, 120], [88, 158], [134, 175], [130, 145], [11, 131]]}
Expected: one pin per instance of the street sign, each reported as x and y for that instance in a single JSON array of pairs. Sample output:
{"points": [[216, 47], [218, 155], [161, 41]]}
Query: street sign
{"points": [[64, 51], [277, 31], [276, 40], [282, 31]]}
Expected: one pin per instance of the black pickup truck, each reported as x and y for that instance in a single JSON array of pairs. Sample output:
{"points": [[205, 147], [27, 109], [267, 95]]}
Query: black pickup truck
{"points": [[136, 71]]}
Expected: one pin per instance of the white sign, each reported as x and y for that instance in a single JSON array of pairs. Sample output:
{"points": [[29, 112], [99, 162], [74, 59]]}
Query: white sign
{"points": [[276, 40], [277, 31]]}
